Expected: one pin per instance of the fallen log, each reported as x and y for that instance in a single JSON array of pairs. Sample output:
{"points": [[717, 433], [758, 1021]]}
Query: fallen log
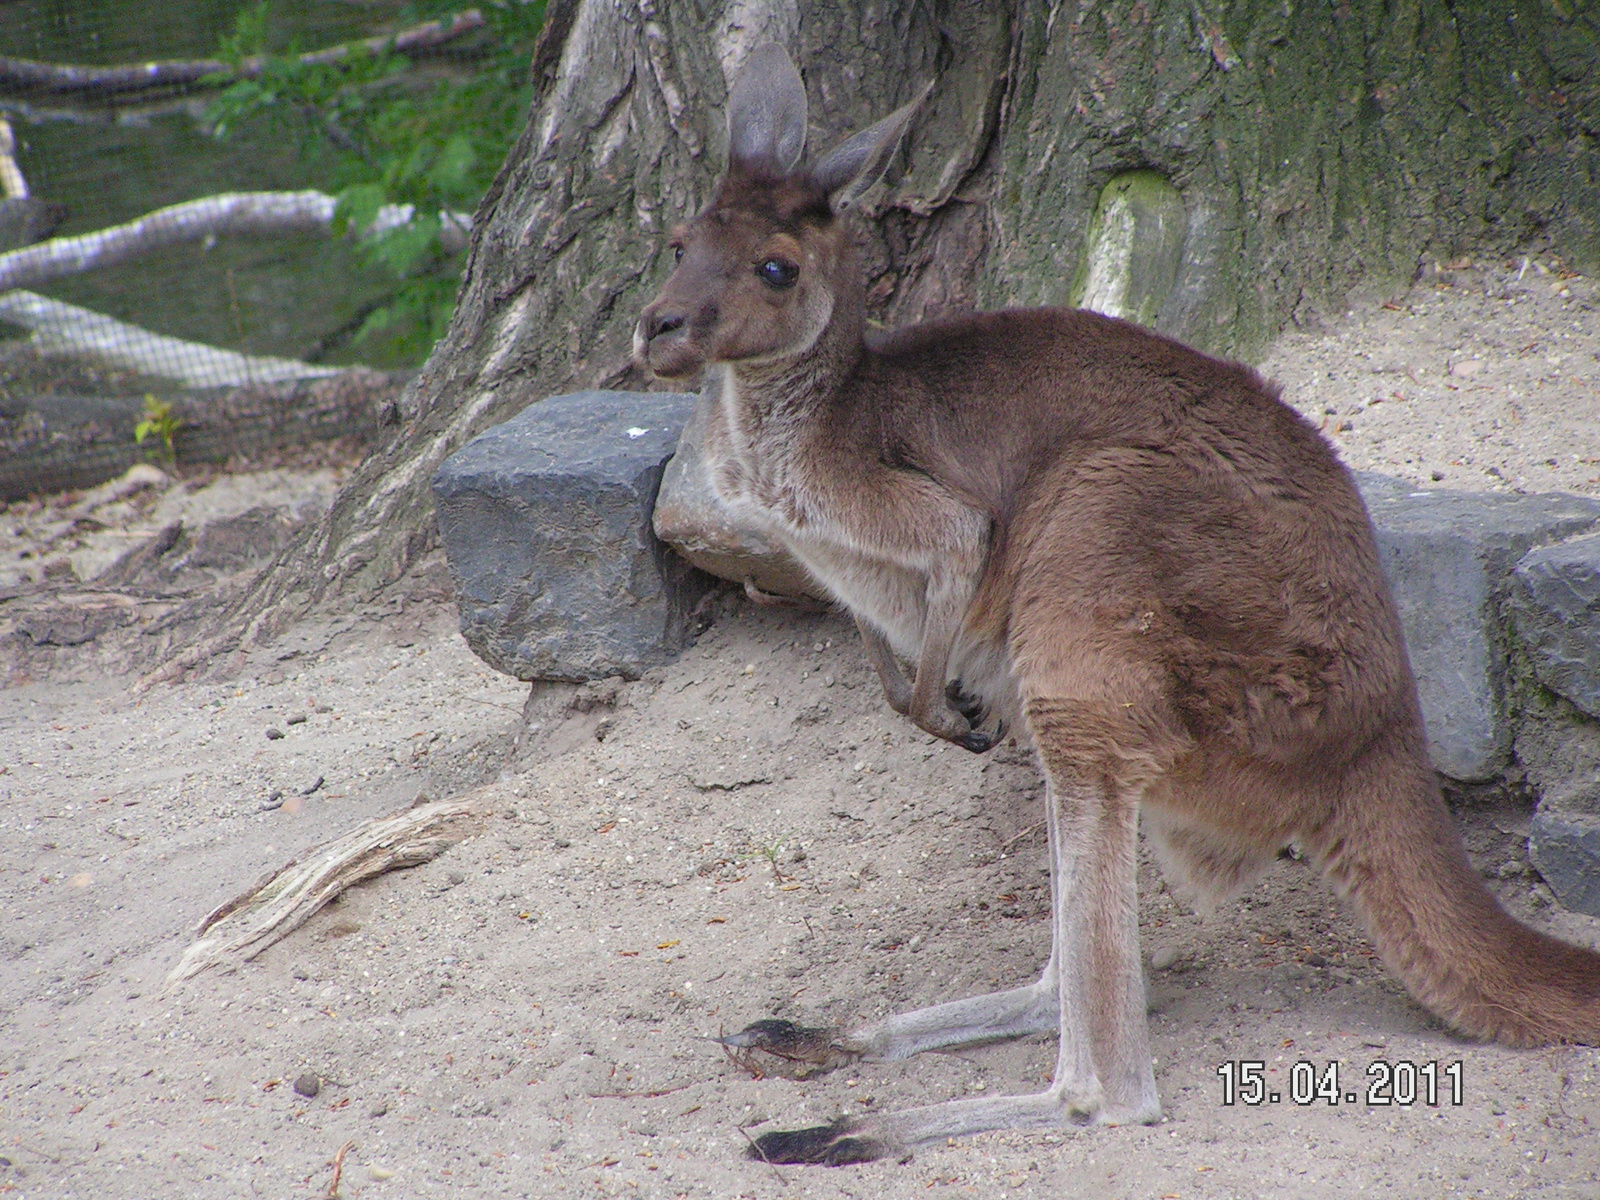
{"points": [[53, 443], [26, 75], [66, 329], [254, 214]]}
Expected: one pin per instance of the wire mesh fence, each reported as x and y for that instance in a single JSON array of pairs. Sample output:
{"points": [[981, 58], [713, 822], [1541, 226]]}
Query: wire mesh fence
{"points": [[144, 260]]}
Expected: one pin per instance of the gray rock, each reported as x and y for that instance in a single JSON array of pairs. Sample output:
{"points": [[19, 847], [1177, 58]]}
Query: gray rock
{"points": [[696, 524], [235, 542], [1558, 747], [1566, 850], [1556, 609], [1449, 556], [546, 524]]}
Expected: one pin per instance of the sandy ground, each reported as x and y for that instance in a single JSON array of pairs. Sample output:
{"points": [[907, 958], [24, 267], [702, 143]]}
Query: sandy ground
{"points": [[748, 832]]}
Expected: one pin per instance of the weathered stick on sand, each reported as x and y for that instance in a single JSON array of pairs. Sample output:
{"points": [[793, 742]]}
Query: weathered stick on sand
{"points": [[280, 903]]}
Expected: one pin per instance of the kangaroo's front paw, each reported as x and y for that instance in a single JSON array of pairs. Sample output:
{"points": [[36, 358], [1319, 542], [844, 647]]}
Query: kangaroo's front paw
{"points": [[981, 742], [968, 705], [832, 1145], [803, 1050], [975, 713]]}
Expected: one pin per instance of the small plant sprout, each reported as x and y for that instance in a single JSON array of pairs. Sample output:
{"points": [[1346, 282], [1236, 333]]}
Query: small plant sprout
{"points": [[770, 853], [158, 421]]}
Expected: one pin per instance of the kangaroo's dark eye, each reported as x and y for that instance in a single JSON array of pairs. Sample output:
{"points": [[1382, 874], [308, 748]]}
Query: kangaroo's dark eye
{"points": [[777, 273], [677, 254]]}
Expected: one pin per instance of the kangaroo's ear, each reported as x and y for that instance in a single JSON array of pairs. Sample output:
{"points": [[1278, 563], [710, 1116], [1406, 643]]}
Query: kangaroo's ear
{"points": [[767, 112], [858, 162]]}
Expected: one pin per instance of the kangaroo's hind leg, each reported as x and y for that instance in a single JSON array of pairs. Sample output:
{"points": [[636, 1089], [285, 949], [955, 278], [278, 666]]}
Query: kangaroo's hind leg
{"points": [[1098, 756], [1103, 1071], [971, 1021]]}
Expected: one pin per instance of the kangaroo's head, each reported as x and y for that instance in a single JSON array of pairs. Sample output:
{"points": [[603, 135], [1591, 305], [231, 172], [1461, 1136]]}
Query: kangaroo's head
{"points": [[768, 266]]}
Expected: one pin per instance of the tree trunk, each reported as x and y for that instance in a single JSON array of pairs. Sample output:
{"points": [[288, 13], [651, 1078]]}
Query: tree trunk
{"points": [[1320, 150]]}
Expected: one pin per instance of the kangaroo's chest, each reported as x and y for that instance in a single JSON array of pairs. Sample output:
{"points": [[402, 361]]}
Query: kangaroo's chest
{"points": [[775, 479]]}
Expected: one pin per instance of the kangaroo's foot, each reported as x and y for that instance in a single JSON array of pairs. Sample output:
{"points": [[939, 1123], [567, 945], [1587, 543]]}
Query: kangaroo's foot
{"points": [[798, 1050], [834, 1145], [775, 1046], [863, 1139]]}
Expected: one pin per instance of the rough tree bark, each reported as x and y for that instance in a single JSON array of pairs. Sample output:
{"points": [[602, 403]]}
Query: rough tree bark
{"points": [[1321, 149]]}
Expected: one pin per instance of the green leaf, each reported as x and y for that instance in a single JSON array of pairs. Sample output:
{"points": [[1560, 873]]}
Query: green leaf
{"points": [[408, 248], [358, 208], [249, 35], [451, 170], [374, 132]]}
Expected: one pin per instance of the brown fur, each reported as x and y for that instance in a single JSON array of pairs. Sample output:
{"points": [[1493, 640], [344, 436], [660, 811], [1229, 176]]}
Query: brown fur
{"points": [[1172, 568]]}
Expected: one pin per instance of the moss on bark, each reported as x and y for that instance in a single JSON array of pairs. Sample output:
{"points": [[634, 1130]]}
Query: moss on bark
{"points": [[1321, 148]]}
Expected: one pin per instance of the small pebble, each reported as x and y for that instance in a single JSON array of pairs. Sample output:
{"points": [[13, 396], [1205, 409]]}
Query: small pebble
{"points": [[307, 1085], [377, 1109], [299, 972], [323, 708], [313, 786], [275, 800], [297, 719], [1164, 958], [274, 734]]}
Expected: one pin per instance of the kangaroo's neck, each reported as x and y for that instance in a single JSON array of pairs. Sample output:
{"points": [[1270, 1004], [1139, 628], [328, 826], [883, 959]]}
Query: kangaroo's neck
{"points": [[775, 415], [773, 401]]}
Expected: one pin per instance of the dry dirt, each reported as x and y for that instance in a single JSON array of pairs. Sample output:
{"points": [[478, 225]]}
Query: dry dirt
{"points": [[748, 832]]}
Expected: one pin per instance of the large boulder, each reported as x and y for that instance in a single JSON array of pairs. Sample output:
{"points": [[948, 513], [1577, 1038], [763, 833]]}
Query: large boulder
{"points": [[546, 524], [1565, 848], [1556, 608], [1449, 558], [693, 521], [552, 520]]}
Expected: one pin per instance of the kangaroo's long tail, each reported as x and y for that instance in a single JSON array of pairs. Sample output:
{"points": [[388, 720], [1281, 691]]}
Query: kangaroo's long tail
{"points": [[1393, 850]]}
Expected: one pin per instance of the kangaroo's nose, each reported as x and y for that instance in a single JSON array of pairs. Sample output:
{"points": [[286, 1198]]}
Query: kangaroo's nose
{"points": [[657, 323]]}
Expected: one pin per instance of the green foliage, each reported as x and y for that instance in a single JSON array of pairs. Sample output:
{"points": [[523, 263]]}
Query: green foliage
{"points": [[158, 422], [377, 132]]}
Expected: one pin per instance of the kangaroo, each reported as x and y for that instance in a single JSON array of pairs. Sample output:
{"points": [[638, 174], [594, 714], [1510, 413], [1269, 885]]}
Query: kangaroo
{"points": [[1133, 554]]}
